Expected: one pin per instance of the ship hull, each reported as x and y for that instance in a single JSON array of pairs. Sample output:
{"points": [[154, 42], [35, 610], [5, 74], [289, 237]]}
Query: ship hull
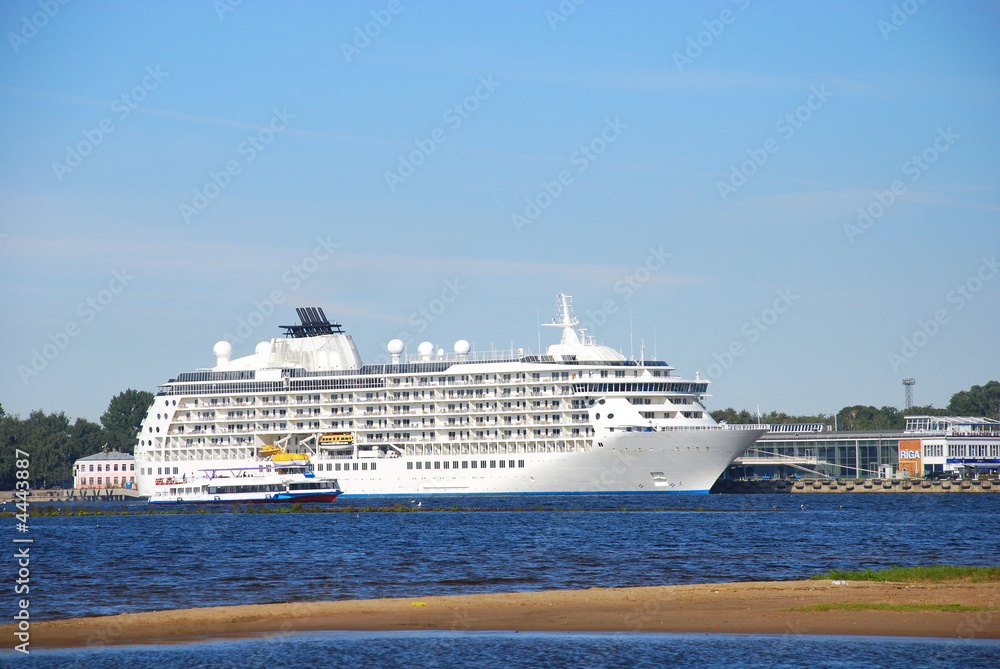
{"points": [[244, 499], [666, 461]]}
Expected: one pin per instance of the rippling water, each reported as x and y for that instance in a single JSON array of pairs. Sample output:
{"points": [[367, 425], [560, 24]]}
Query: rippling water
{"points": [[110, 564], [555, 650]]}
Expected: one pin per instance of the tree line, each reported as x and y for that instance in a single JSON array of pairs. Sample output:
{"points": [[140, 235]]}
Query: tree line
{"points": [[978, 401], [54, 443]]}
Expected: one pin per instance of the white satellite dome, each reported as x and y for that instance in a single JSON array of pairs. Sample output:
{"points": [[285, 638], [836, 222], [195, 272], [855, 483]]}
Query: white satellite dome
{"points": [[395, 346], [426, 350], [222, 349], [462, 347], [263, 348]]}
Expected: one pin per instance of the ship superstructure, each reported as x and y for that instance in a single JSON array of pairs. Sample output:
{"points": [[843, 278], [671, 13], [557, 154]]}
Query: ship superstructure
{"points": [[580, 418]]}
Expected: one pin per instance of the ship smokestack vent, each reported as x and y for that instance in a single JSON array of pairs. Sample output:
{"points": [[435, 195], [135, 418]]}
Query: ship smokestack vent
{"points": [[313, 323]]}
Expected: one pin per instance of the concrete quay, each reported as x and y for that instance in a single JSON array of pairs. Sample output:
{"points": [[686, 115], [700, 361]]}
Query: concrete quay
{"points": [[72, 495], [896, 486], [767, 486]]}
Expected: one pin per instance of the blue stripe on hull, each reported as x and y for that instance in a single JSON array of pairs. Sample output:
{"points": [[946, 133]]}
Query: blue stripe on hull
{"points": [[509, 494]]}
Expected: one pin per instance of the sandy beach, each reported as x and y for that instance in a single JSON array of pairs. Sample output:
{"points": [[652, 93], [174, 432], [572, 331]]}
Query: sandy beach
{"points": [[740, 608]]}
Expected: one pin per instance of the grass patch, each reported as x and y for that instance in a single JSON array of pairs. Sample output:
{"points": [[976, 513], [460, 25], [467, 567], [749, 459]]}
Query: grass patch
{"points": [[859, 606], [937, 574]]}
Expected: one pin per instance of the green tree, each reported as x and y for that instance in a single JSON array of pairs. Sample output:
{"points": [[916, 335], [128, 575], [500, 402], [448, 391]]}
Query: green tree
{"points": [[860, 417], [52, 444], [733, 416], [979, 401], [124, 417]]}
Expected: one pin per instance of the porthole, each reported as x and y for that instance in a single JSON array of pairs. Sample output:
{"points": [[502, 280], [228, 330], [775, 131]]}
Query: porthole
{"points": [[600, 401], [611, 415], [597, 416]]}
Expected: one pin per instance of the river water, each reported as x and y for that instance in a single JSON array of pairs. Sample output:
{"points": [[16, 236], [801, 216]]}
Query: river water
{"points": [[98, 565]]}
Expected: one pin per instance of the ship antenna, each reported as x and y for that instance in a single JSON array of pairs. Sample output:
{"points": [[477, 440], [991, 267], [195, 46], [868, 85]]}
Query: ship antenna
{"points": [[538, 322], [631, 348]]}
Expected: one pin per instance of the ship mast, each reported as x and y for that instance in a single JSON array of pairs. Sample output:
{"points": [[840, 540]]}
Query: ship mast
{"points": [[565, 320]]}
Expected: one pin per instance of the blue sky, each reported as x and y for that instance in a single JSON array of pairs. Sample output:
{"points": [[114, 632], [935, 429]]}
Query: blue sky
{"points": [[693, 170]]}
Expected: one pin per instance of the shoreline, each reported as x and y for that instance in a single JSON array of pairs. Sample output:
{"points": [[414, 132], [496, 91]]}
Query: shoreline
{"points": [[731, 608]]}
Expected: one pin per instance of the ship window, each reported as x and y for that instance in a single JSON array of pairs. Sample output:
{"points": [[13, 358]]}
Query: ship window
{"points": [[409, 465], [364, 466], [355, 466], [175, 470], [454, 465], [373, 466], [493, 463], [611, 415], [520, 463], [419, 465], [597, 416], [437, 465], [482, 464], [336, 467], [501, 464], [446, 464], [510, 464], [465, 464], [473, 464]]}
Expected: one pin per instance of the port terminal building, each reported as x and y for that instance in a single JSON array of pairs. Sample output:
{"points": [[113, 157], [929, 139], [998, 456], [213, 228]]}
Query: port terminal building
{"points": [[966, 447]]}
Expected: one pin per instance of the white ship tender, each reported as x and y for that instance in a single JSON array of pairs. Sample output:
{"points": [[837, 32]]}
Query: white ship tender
{"points": [[580, 419]]}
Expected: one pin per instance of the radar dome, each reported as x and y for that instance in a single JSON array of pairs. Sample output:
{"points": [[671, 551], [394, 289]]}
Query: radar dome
{"points": [[263, 348], [222, 349], [462, 347], [395, 346], [425, 348]]}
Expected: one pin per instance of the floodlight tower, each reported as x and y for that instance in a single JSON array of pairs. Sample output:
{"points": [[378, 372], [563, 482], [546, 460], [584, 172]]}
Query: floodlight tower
{"points": [[908, 386]]}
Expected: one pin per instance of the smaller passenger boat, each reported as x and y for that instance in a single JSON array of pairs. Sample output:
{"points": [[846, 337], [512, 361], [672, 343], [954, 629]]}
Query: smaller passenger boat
{"points": [[278, 481]]}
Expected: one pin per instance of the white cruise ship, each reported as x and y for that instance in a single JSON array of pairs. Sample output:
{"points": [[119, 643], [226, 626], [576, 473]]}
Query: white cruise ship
{"points": [[580, 419]]}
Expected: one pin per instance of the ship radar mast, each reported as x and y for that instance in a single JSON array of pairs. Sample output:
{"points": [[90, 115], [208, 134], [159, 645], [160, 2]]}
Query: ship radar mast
{"points": [[566, 320]]}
